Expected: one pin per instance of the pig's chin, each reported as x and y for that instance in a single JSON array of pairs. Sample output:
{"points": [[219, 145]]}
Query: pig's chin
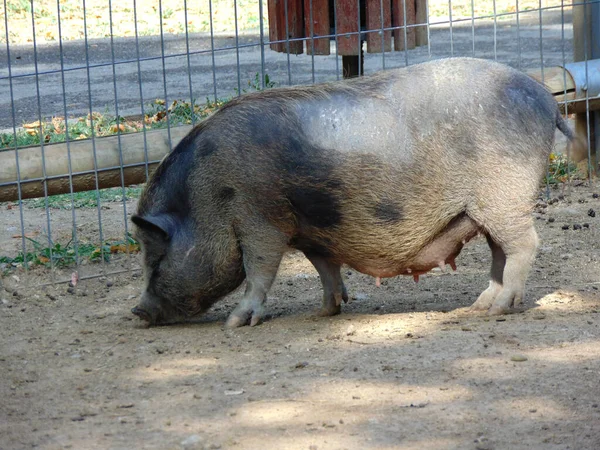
{"points": [[171, 316], [158, 318]]}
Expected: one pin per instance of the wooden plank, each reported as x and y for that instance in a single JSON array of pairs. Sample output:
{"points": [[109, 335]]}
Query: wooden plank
{"points": [[373, 11], [554, 79], [346, 21], [398, 21], [558, 80], [421, 18], [277, 28], [273, 25], [320, 26], [295, 27]]}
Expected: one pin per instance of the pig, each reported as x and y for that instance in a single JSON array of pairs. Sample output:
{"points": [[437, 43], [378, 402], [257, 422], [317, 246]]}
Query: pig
{"points": [[390, 174]]}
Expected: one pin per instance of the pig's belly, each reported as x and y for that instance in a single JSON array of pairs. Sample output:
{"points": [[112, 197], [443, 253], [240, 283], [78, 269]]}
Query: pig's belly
{"points": [[442, 249]]}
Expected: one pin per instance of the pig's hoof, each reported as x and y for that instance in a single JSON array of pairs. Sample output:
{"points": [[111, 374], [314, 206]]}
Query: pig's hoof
{"points": [[480, 306], [497, 310], [241, 318], [345, 294], [505, 302], [485, 301], [236, 321], [327, 311]]}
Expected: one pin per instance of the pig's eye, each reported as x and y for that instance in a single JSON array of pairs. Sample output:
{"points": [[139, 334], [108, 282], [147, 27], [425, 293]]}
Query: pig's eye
{"points": [[154, 281], [153, 261]]}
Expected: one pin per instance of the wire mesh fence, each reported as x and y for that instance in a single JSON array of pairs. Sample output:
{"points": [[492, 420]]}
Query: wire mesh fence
{"points": [[96, 92]]}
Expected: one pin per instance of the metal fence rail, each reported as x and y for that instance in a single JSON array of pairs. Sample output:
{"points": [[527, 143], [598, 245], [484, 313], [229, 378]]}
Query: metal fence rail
{"points": [[96, 67]]}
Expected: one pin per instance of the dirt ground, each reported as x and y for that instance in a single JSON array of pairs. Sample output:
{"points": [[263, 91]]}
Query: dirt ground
{"points": [[405, 365]]}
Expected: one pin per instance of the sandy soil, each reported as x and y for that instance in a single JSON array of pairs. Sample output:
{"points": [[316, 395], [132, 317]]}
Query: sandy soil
{"points": [[405, 366]]}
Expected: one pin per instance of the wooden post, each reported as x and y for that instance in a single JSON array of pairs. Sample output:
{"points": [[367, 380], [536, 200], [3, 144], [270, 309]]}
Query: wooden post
{"points": [[352, 63], [398, 17], [273, 25], [346, 21], [373, 11], [320, 26], [421, 18], [586, 37]]}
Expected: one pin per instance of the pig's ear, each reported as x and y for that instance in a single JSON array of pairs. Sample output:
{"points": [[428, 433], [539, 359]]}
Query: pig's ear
{"points": [[163, 225]]}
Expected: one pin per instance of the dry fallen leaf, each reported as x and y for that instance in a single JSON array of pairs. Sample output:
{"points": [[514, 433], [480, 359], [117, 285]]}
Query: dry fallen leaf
{"points": [[116, 128], [27, 235], [30, 125]]}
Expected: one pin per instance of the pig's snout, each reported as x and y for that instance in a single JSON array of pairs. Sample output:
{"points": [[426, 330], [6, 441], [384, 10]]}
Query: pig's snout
{"points": [[142, 314], [148, 309], [156, 311]]}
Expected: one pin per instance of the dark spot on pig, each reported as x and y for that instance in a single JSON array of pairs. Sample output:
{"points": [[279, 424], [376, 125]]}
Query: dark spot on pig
{"points": [[302, 160], [309, 246], [168, 186], [206, 148], [315, 207], [281, 131], [388, 212], [523, 99], [265, 132], [226, 194]]}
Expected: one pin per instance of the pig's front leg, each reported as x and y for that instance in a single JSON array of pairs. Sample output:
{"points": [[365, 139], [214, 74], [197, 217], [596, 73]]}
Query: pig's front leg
{"points": [[260, 264]]}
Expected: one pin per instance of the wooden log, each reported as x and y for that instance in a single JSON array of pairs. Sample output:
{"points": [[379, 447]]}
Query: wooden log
{"points": [[346, 21], [398, 21], [82, 161], [374, 22], [320, 26], [421, 18]]}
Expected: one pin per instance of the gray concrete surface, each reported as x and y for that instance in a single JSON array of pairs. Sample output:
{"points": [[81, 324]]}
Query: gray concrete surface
{"points": [[517, 46]]}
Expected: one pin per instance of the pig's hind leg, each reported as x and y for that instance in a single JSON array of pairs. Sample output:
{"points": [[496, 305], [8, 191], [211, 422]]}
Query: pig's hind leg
{"points": [[261, 263], [334, 290], [487, 297], [517, 251]]}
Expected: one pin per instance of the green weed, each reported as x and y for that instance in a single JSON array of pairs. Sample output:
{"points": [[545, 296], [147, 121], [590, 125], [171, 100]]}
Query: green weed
{"points": [[19, 6], [66, 255], [560, 170], [179, 112], [87, 199], [256, 85], [56, 130]]}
